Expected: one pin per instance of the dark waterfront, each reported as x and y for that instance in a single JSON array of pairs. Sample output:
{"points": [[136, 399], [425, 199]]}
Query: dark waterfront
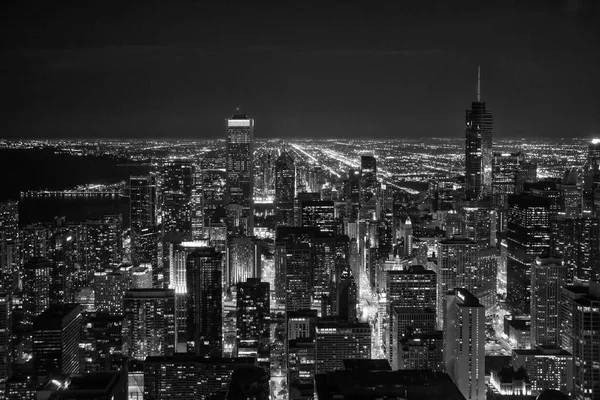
{"points": [[73, 208]]}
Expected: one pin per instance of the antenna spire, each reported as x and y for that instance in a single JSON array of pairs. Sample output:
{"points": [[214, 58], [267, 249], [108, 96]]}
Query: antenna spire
{"points": [[478, 84]]}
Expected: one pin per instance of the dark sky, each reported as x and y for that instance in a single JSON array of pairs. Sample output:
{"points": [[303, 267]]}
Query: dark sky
{"points": [[178, 68]]}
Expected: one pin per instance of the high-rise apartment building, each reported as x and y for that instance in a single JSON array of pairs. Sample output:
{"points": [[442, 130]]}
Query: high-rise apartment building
{"points": [[464, 343], [240, 167]]}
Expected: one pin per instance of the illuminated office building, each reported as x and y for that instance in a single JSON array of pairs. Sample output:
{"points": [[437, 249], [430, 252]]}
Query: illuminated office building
{"points": [[407, 289], [337, 341], [592, 165], [204, 301], [103, 338], [476, 217], [36, 285], [175, 195], [353, 194], [141, 277], [189, 376], [142, 202], [548, 276], [35, 241], [464, 343], [586, 344], [580, 246], [9, 245], [505, 167], [56, 337], [253, 318], [478, 158], [149, 325], [285, 188], [319, 214], [369, 187], [6, 345], [457, 266], [528, 236], [301, 368], [109, 289], [422, 351], [243, 259], [547, 368], [214, 184], [301, 324], [297, 262], [240, 167]]}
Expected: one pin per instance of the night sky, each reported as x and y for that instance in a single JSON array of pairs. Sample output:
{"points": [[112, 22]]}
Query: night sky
{"points": [[107, 69]]}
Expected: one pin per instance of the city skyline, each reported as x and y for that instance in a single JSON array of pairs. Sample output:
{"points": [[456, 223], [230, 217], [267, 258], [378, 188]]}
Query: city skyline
{"points": [[402, 203]]}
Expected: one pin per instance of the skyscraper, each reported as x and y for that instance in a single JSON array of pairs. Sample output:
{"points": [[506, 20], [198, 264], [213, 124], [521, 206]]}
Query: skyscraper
{"points": [[109, 289], [243, 259], [189, 376], [369, 187], [478, 157], [149, 325], [56, 337], [407, 289], [175, 196], [528, 236], [298, 267], [320, 214], [586, 344], [36, 285], [457, 267], [547, 367], [240, 167], [6, 348], [253, 315], [548, 276], [592, 166], [142, 201], [9, 244], [337, 341], [204, 294], [464, 343], [285, 188], [504, 174]]}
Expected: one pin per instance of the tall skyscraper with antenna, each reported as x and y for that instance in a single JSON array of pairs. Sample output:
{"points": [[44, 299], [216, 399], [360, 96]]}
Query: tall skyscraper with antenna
{"points": [[478, 148], [240, 167]]}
